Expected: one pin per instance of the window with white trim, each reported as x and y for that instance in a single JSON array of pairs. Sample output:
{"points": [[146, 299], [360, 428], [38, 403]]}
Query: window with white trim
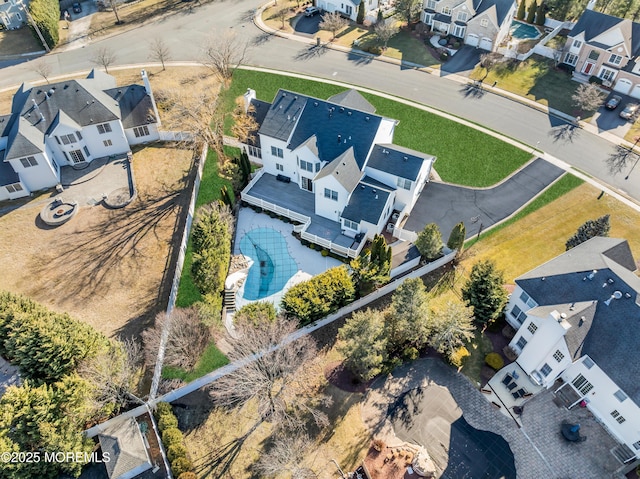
{"points": [[68, 139], [532, 327], [431, 4], [76, 156], [86, 150], [617, 416], [255, 151], [484, 23], [582, 385], [331, 194], [279, 167], [594, 55], [104, 128], [576, 44], [587, 362], [28, 162], [141, 131], [571, 59], [404, 183], [545, 370], [521, 342], [446, 10], [306, 166], [525, 298], [79, 135], [352, 225], [462, 16], [558, 356], [14, 188], [107, 142], [275, 151], [636, 445], [620, 395], [518, 314], [615, 59], [607, 74]]}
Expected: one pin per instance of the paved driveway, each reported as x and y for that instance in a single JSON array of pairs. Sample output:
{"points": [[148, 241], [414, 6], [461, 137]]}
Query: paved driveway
{"points": [[610, 121], [446, 205], [308, 26], [463, 62]]}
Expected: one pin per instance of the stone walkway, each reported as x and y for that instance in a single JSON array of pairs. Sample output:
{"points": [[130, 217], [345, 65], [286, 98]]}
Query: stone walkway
{"points": [[540, 432]]}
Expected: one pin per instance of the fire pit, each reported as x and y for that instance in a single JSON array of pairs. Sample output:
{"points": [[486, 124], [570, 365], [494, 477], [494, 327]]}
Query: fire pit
{"points": [[58, 212]]}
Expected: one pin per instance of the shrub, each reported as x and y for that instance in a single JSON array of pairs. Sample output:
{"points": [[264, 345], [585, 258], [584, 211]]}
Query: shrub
{"points": [[167, 421], [312, 246], [163, 408], [494, 361], [324, 253], [410, 353], [304, 242], [444, 56], [378, 444], [456, 357], [46, 14], [175, 451], [171, 436], [595, 79], [180, 466]]}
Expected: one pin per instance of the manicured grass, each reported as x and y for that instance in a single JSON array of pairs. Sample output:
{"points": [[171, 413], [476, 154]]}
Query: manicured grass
{"points": [[536, 79], [464, 155], [479, 348], [211, 359]]}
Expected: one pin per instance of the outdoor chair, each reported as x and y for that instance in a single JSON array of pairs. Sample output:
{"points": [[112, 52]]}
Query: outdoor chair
{"points": [[507, 379], [512, 386]]}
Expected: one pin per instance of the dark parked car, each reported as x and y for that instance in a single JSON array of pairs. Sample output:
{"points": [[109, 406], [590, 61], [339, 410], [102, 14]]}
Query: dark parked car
{"points": [[613, 102], [77, 8], [630, 111], [311, 11]]}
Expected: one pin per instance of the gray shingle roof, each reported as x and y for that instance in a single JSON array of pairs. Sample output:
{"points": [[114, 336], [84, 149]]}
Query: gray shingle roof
{"points": [[502, 8], [593, 23], [4, 125], [441, 17], [135, 105], [344, 169], [397, 160], [296, 117], [366, 203], [609, 334], [311, 143], [24, 139], [123, 441], [352, 99], [259, 112], [7, 175]]}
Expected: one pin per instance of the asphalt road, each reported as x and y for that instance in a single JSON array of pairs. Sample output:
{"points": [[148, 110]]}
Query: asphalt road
{"points": [[185, 32]]}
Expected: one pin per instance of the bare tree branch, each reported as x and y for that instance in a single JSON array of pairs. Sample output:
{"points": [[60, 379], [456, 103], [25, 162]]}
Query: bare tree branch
{"points": [[222, 54], [286, 456], [245, 125], [104, 57], [159, 51], [385, 30], [588, 97], [332, 22], [42, 68]]}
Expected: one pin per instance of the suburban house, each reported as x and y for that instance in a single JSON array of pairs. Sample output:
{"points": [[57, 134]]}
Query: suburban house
{"points": [[72, 123], [480, 23], [12, 13], [331, 166], [123, 443], [605, 47], [349, 8], [578, 329]]}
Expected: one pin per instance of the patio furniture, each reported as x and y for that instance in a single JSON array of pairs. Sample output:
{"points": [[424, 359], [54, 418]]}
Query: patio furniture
{"points": [[507, 379], [284, 179], [518, 394], [512, 386], [571, 432]]}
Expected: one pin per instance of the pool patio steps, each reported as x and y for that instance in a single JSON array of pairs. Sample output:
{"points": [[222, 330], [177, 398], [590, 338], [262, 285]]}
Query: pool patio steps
{"points": [[230, 300]]}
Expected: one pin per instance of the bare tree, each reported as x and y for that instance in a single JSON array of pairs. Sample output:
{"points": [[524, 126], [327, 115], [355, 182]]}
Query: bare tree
{"points": [[332, 22], [488, 61], [114, 7], [159, 51], [42, 68], [286, 456], [281, 14], [223, 53], [278, 374], [245, 125], [104, 57], [114, 374], [588, 97], [187, 338], [385, 30]]}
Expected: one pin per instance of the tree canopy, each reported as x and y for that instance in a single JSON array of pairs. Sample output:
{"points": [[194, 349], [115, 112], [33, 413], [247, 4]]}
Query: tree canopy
{"points": [[485, 292], [364, 344], [409, 321], [429, 242], [591, 228], [453, 327]]}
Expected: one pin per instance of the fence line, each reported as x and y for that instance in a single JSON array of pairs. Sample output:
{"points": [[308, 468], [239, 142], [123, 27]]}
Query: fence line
{"points": [[174, 136], [157, 372]]}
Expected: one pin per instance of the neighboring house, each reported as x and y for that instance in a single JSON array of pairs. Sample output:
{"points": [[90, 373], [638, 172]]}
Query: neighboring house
{"points": [[479, 23], [12, 13], [124, 445], [578, 319], [72, 123], [606, 47], [339, 155], [348, 8]]}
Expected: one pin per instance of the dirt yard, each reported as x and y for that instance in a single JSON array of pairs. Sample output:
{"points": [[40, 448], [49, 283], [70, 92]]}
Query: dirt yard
{"points": [[15, 42], [105, 267]]}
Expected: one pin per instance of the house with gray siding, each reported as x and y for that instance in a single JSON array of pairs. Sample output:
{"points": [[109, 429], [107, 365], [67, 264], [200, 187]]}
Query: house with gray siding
{"points": [[12, 14]]}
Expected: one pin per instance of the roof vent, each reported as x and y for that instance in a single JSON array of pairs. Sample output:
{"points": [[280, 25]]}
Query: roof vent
{"points": [[376, 197], [315, 103], [563, 315], [295, 97], [288, 117], [583, 319], [339, 138], [627, 295], [341, 109], [592, 274], [88, 102], [406, 158], [38, 92], [284, 93], [366, 118], [344, 164], [615, 295], [374, 191], [51, 92], [543, 278], [610, 280], [362, 187], [65, 87], [349, 113]]}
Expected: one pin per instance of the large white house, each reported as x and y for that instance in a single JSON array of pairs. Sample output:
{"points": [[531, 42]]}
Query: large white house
{"points": [[72, 123], [349, 8], [578, 320], [334, 160]]}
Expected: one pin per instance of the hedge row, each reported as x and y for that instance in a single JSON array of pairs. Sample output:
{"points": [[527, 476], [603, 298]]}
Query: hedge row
{"points": [[173, 441], [46, 14]]}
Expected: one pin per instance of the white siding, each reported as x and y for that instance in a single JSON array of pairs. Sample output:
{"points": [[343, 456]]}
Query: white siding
{"points": [[269, 161], [95, 141], [327, 207], [131, 138], [36, 177]]}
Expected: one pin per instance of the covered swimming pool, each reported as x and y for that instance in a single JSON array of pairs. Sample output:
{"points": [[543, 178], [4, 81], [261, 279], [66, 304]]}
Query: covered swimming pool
{"points": [[523, 31]]}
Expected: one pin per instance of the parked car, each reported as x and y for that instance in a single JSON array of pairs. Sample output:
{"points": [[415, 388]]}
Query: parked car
{"points": [[630, 111], [311, 11], [77, 8], [613, 102]]}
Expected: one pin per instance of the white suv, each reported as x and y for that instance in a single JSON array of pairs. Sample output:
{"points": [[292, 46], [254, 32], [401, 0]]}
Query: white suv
{"points": [[311, 11]]}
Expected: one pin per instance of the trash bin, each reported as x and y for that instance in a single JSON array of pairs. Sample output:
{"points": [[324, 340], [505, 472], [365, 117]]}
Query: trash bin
{"points": [[317, 41]]}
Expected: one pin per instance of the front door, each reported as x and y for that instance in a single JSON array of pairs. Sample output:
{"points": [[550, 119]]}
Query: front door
{"points": [[587, 68], [77, 156], [307, 184]]}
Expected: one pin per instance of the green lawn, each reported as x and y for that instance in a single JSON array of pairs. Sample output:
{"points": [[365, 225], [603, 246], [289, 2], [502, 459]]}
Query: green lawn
{"points": [[536, 79], [464, 155], [211, 359]]}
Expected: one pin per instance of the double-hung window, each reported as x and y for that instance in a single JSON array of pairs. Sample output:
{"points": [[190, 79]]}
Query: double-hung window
{"points": [[28, 162], [331, 194], [277, 152], [104, 128]]}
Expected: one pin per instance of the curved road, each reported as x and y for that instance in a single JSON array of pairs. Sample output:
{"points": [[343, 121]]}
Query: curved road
{"points": [[184, 32]]}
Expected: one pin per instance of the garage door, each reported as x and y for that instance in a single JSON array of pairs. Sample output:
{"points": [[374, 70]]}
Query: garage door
{"points": [[472, 40], [486, 43], [635, 93], [623, 86]]}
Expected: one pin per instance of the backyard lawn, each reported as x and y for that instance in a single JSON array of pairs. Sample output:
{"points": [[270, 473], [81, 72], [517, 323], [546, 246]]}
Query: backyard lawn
{"points": [[464, 155], [536, 79], [15, 42]]}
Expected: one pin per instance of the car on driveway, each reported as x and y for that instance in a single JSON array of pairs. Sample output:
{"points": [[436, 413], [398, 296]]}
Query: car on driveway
{"points": [[77, 8], [613, 102], [630, 111], [311, 11]]}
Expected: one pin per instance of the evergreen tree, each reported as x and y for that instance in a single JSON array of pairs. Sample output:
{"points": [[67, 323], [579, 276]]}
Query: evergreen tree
{"points": [[360, 17], [590, 229], [453, 327], [429, 242], [408, 322], [531, 13], [380, 17], [372, 268], [484, 291], [363, 343], [541, 14], [521, 10], [456, 238]]}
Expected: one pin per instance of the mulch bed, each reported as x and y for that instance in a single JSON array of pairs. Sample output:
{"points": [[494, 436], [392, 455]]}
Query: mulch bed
{"points": [[340, 376]]}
